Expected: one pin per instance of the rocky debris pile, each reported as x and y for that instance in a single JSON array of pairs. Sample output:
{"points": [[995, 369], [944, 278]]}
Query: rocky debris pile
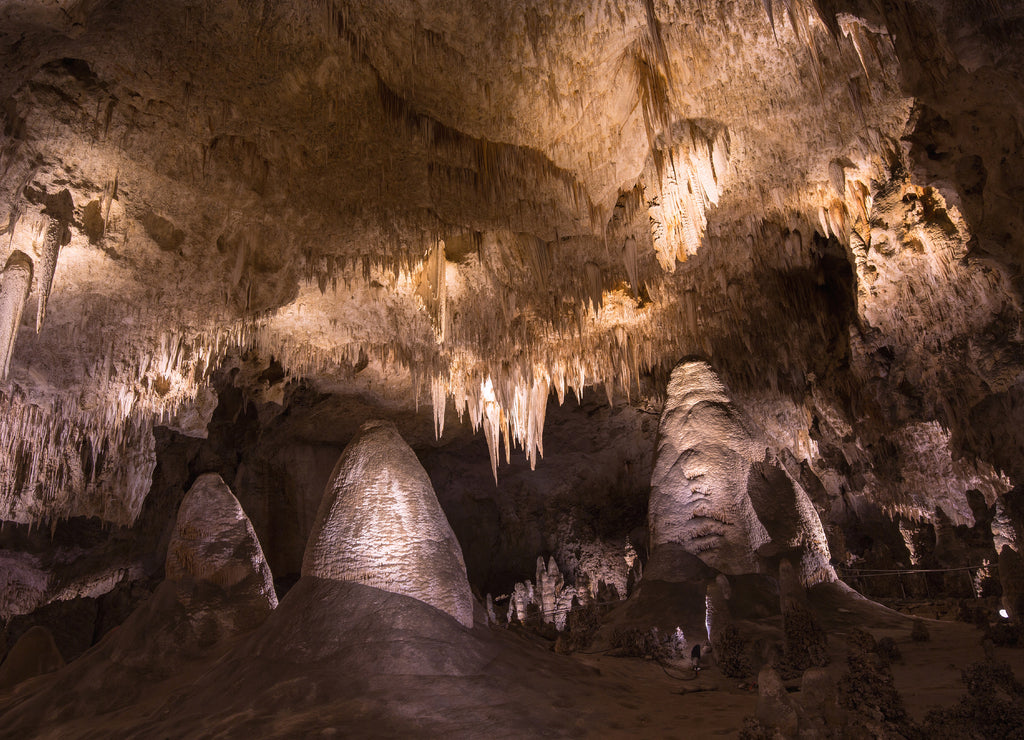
{"points": [[379, 524], [805, 642], [775, 709], [873, 705], [993, 706]]}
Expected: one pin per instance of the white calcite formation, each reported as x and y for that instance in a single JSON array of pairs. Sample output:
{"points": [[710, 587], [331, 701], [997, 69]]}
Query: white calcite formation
{"points": [[15, 283], [549, 585], [215, 560], [379, 524], [655, 180], [1004, 529], [590, 576], [59, 213], [715, 493], [548, 600], [699, 494]]}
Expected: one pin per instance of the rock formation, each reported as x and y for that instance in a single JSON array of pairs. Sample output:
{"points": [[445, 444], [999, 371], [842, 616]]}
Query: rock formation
{"points": [[379, 524], [549, 600], [775, 709], [242, 228], [714, 492], [719, 616], [699, 494], [59, 212], [34, 654], [217, 585], [805, 643], [215, 561], [15, 283]]}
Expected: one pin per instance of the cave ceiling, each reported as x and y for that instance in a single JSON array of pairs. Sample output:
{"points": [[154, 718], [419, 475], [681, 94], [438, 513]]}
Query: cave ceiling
{"points": [[478, 205]]}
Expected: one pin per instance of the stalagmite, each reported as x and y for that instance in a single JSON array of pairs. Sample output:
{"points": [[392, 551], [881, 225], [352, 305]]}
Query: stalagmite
{"points": [[549, 587], [698, 486], [715, 492], [523, 595], [1007, 525], [785, 510], [34, 654], [804, 641], [59, 211], [492, 618], [1011, 577], [379, 524], [775, 709], [1004, 528], [718, 616], [15, 284], [214, 550]]}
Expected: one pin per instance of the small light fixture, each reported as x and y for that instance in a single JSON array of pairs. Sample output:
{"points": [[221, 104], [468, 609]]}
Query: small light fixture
{"points": [[1003, 613]]}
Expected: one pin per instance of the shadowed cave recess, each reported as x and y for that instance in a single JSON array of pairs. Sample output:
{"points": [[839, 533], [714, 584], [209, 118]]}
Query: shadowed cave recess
{"points": [[632, 368]]}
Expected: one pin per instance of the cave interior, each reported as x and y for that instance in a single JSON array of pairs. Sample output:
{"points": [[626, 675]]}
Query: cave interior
{"points": [[544, 368]]}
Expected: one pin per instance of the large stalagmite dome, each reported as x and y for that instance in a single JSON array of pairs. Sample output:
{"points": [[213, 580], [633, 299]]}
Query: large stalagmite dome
{"points": [[699, 485], [714, 493], [379, 524]]}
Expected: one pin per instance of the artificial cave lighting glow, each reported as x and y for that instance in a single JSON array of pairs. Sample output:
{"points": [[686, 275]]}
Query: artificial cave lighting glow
{"points": [[256, 238]]}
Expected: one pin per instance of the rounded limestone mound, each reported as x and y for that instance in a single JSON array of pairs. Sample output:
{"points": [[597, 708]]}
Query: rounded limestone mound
{"points": [[214, 551], [34, 654], [379, 524]]}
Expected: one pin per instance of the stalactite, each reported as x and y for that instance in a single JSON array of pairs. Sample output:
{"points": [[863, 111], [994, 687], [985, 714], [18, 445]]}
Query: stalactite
{"points": [[15, 284], [690, 182], [59, 212]]}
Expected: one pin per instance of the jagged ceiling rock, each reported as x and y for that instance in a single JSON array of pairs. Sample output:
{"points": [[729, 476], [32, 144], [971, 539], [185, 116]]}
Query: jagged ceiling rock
{"points": [[818, 197], [379, 524]]}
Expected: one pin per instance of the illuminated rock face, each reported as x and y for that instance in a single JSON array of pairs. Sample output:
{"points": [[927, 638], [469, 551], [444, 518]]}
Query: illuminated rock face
{"points": [[215, 561], [59, 212], [487, 202], [15, 283], [699, 485], [714, 492], [380, 524], [634, 193]]}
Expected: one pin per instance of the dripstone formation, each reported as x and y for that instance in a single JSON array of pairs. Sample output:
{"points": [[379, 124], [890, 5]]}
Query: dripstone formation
{"points": [[380, 525], [396, 368]]}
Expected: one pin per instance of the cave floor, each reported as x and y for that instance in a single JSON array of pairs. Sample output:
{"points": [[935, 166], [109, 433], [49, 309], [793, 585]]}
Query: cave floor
{"points": [[341, 660]]}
